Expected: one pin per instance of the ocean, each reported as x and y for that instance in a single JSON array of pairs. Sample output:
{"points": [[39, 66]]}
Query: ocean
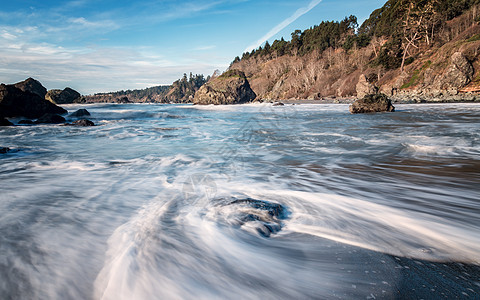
{"points": [[243, 202]]}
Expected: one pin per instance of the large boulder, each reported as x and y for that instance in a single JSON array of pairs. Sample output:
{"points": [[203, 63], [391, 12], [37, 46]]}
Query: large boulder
{"points": [[80, 113], [66, 96], [33, 86], [123, 100], [372, 103], [458, 74], [17, 103], [232, 87], [50, 119], [364, 87], [82, 123], [4, 150]]}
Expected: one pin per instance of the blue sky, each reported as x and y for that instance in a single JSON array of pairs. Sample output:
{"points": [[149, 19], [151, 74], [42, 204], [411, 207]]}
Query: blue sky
{"points": [[108, 45]]}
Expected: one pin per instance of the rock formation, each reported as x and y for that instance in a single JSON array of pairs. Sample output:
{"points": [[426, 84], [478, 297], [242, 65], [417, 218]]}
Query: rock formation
{"points": [[123, 100], [80, 113], [364, 87], [4, 150], [66, 96], [82, 123], [232, 87], [50, 119], [33, 86], [372, 103], [458, 74], [17, 103]]}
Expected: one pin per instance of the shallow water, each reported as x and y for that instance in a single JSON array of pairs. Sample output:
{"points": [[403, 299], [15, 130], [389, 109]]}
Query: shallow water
{"points": [[251, 201]]}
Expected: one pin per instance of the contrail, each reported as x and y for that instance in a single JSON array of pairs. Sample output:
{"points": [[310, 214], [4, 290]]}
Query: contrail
{"points": [[300, 12]]}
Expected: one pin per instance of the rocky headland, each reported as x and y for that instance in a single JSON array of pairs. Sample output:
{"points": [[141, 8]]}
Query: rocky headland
{"points": [[338, 60], [65, 96], [232, 87]]}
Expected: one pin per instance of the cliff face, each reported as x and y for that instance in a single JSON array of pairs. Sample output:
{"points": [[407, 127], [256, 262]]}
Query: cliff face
{"points": [[33, 86], [66, 96], [232, 87], [441, 65]]}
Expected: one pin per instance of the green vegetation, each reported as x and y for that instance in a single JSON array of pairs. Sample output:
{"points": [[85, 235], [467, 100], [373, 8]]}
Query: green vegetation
{"points": [[474, 38], [149, 93], [233, 73], [404, 26], [320, 37], [416, 75], [183, 89]]}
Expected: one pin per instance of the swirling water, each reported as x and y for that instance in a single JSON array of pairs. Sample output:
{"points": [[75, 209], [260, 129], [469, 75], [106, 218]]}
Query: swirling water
{"points": [[235, 202]]}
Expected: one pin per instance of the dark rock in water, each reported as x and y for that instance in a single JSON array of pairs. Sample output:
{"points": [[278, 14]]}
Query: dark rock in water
{"points": [[123, 100], [50, 119], [266, 216], [33, 86], [278, 104], [4, 150], [66, 96], [232, 87], [83, 123], [17, 103], [5, 122], [372, 103], [26, 122], [80, 113]]}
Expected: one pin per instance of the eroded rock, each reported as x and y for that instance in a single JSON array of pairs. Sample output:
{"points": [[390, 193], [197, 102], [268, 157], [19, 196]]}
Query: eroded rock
{"points": [[66, 96], [50, 119], [17, 103], [80, 113], [364, 87], [232, 87], [371, 104]]}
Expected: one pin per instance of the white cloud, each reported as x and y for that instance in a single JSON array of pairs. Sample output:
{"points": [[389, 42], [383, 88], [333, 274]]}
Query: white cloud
{"points": [[204, 48], [300, 12], [8, 36]]}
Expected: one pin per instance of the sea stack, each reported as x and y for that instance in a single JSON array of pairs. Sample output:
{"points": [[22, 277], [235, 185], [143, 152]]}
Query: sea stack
{"points": [[232, 87], [372, 103]]}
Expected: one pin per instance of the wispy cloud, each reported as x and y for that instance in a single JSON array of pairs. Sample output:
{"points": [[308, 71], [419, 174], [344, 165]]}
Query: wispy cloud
{"points": [[90, 70], [300, 12], [205, 48]]}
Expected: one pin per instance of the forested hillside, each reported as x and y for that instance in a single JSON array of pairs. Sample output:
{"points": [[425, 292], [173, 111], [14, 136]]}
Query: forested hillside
{"points": [[181, 91], [405, 47]]}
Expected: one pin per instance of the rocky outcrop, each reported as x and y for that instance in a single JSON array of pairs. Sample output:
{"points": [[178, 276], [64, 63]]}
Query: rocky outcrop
{"points": [[123, 100], [458, 74], [80, 113], [4, 150], [33, 86], [364, 87], [371, 104], [50, 119], [17, 103], [232, 87], [5, 122], [82, 123], [66, 96]]}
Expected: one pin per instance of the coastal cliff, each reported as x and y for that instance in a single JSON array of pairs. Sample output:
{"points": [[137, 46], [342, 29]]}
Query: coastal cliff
{"points": [[232, 87], [409, 50]]}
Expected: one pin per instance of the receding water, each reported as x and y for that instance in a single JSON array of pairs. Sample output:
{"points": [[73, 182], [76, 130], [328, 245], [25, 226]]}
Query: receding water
{"points": [[243, 202]]}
